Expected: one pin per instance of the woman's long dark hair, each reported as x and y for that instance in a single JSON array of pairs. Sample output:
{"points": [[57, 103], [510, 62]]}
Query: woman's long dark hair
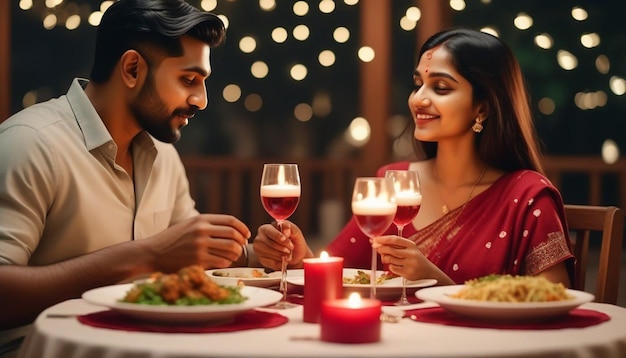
{"points": [[154, 25], [508, 140]]}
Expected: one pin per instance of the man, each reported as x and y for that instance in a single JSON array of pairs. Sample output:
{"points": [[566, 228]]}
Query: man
{"points": [[88, 197]]}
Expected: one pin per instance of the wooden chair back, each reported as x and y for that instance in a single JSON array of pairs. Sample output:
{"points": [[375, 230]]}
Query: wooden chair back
{"points": [[609, 221]]}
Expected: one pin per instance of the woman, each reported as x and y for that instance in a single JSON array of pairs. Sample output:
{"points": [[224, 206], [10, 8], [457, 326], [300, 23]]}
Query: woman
{"points": [[487, 208]]}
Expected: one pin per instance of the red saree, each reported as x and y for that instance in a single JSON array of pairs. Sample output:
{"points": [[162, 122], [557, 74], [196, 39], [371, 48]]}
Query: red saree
{"points": [[517, 226]]}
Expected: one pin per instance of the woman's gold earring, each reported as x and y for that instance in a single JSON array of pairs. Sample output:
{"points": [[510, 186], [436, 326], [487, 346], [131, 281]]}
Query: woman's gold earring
{"points": [[478, 127]]}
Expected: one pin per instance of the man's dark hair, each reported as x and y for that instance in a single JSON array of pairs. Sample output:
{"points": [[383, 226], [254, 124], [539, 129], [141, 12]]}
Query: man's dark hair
{"points": [[150, 25]]}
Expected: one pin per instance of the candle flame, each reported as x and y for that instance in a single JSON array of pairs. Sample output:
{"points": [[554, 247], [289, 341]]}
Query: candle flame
{"points": [[324, 255], [354, 300]]}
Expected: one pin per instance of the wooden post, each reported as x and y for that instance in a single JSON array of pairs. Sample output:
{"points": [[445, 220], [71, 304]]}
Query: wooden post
{"points": [[5, 59], [375, 89], [436, 16]]}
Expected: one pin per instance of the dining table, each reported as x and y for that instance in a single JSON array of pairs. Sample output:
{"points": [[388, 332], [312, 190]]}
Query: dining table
{"points": [[64, 330]]}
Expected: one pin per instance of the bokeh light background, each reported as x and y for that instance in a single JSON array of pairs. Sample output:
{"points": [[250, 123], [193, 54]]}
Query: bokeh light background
{"points": [[286, 83]]}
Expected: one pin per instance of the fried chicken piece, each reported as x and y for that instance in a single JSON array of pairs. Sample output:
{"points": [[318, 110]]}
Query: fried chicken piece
{"points": [[214, 291], [194, 275], [170, 288], [133, 294]]}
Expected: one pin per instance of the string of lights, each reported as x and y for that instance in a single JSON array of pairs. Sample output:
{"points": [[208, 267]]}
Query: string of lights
{"points": [[297, 63]]}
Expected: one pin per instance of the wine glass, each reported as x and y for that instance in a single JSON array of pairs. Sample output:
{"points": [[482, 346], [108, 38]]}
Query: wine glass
{"points": [[280, 195], [374, 207], [409, 200]]}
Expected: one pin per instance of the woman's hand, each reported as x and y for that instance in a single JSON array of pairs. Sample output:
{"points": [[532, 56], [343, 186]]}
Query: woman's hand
{"points": [[270, 245], [404, 259]]}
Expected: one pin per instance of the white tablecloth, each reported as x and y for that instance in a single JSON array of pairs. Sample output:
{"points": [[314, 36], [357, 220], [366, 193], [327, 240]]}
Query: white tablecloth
{"points": [[68, 338]]}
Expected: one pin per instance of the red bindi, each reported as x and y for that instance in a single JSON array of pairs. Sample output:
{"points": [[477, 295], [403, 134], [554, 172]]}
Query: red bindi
{"points": [[429, 55]]}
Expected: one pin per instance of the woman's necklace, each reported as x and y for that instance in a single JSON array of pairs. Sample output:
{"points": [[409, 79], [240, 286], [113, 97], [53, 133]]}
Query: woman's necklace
{"points": [[445, 208]]}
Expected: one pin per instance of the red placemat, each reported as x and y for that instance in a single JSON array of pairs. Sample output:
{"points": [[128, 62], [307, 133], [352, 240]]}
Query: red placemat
{"points": [[576, 318], [248, 320]]}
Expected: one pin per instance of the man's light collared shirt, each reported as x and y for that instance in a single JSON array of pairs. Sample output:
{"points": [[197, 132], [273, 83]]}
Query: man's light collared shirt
{"points": [[62, 194]]}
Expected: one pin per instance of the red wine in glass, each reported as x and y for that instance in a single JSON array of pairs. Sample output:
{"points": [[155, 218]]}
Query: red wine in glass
{"points": [[373, 220], [408, 207], [280, 195], [409, 199], [280, 201], [373, 215]]}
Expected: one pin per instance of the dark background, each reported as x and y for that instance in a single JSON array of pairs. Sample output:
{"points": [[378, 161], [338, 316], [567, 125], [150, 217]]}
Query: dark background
{"points": [[45, 61]]}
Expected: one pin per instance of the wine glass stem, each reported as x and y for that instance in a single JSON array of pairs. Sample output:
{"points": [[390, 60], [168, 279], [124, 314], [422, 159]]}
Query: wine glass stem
{"points": [[283, 268], [403, 296], [373, 274]]}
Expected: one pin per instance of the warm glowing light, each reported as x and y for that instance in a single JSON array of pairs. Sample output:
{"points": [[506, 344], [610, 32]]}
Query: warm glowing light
{"points": [[53, 3], [259, 69], [546, 105], [224, 20], [95, 18], [610, 151], [327, 6], [26, 4], [105, 5], [341, 34], [324, 255], [617, 85], [301, 32], [590, 40], [566, 60], [303, 112], [354, 300], [413, 13], [326, 58], [523, 21], [590, 100], [580, 14], [279, 35], [253, 102], [351, 2], [544, 41], [72, 22], [50, 21], [267, 5], [366, 54], [457, 5], [29, 98], [322, 104], [231, 93], [247, 44], [298, 72], [491, 31], [407, 24], [208, 5], [603, 65], [358, 133], [300, 8]]}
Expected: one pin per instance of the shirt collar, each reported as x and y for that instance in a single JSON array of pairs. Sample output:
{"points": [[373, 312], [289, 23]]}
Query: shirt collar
{"points": [[94, 131]]}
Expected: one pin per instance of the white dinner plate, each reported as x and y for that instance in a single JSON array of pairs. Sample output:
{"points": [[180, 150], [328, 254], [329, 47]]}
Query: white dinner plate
{"points": [[232, 276], [109, 296], [500, 310], [387, 290]]}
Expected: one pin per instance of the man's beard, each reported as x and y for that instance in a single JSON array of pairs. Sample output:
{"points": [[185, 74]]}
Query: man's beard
{"points": [[151, 113]]}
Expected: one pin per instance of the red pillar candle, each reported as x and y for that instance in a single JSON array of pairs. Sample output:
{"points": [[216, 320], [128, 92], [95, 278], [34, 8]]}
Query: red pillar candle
{"points": [[351, 320], [323, 280]]}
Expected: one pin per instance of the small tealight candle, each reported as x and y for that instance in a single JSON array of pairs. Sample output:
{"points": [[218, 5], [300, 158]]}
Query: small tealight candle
{"points": [[351, 320], [323, 280]]}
